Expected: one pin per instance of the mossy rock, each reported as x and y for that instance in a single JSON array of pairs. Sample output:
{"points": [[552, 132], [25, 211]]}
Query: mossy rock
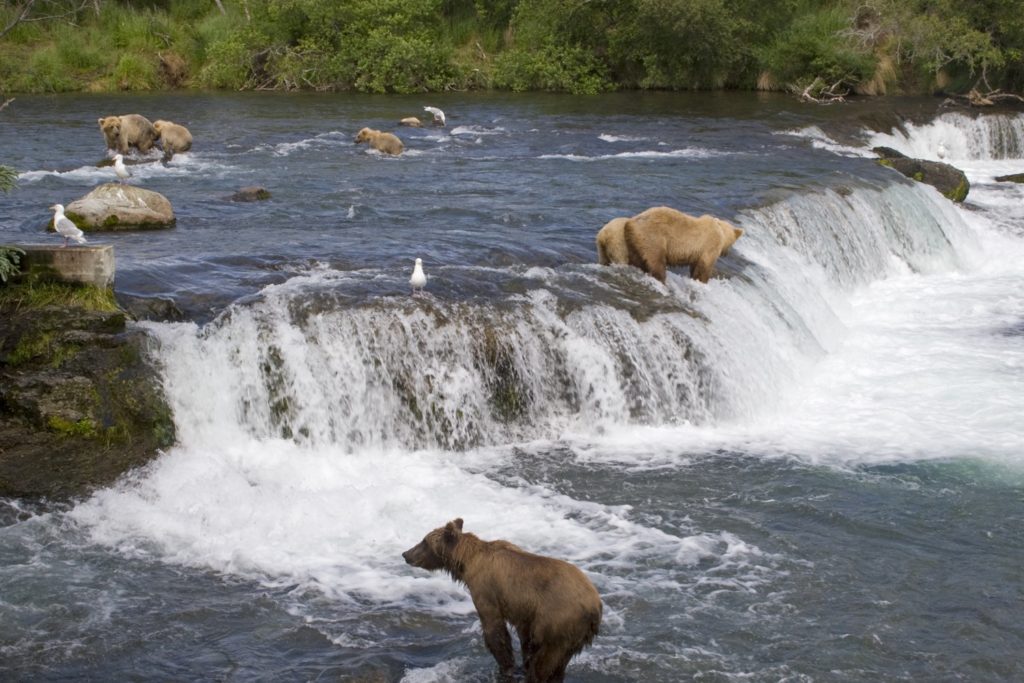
{"points": [[80, 402]]}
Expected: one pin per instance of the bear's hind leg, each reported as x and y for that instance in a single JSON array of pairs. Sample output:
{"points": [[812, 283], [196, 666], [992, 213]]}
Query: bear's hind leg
{"points": [[548, 665]]}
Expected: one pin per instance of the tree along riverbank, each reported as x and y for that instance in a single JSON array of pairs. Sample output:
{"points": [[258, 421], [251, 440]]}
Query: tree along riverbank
{"points": [[819, 49]]}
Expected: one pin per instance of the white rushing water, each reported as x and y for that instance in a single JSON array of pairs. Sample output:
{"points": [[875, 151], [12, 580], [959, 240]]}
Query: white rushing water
{"points": [[318, 441]]}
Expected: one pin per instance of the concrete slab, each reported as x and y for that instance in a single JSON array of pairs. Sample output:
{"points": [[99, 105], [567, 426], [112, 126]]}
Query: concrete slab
{"points": [[85, 264]]}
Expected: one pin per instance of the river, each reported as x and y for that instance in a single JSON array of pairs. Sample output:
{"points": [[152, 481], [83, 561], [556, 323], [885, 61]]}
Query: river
{"points": [[809, 469]]}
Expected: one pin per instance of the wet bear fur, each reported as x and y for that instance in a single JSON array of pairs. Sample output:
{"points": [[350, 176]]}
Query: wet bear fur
{"points": [[174, 138], [129, 130], [552, 605], [382, 142], [661, 237], [611, 242]]}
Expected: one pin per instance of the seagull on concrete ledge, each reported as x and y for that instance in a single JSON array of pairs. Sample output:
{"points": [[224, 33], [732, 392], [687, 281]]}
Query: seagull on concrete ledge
{"points": [[64, 227], [120, 170], [438, 114], [419, 278]]}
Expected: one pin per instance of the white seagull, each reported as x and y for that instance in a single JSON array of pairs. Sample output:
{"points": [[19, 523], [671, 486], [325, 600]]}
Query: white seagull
{"points": [[120, 170], [64, 227], [419, 278], [941, 152], [438, 114]]}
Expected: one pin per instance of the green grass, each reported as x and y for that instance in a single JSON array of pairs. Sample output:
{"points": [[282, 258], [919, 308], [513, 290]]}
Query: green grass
{"points": [[43, 294]]}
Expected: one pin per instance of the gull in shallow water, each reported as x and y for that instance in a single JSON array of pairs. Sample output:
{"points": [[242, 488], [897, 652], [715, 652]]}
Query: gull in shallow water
{"points": [[120, 170], [438, 114], [64, 227], [419, 278]]}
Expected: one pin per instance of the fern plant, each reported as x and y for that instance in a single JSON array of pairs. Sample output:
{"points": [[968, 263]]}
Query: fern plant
{"points": [[10, 262]]}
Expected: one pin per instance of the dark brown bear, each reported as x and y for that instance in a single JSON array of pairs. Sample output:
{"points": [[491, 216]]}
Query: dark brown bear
{"points": [[552, 605]]}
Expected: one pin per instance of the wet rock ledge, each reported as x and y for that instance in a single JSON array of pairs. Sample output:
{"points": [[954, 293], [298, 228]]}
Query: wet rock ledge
{"points": [[80, 403]]}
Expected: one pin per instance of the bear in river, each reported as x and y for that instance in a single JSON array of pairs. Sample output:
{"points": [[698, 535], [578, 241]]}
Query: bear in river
{"points": [[382, 142], [552, 605], [660, 237], [174, 138], [129, 130]]}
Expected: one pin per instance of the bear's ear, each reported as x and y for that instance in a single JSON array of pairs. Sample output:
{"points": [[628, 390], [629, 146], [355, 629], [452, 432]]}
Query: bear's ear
{"points": [[100, 120], [739, 232], [453, 529]]}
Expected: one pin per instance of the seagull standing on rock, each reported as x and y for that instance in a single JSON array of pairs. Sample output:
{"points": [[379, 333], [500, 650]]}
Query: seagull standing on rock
{"points": [[438, 114], [64, 227], [120, 170], [419, 278]]}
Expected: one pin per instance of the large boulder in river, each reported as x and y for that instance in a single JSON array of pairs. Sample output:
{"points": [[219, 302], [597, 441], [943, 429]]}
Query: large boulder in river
{"points": [[115, 206], [949, 180], [80, 401]]}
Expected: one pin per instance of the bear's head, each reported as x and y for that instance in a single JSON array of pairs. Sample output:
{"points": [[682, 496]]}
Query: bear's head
{"points": [[435, 550], [730, 233], [159, 126], [365, 134], [111, 126]]}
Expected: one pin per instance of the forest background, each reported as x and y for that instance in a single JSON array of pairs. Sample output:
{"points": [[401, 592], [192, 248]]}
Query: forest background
{"points": [[578, 46]]}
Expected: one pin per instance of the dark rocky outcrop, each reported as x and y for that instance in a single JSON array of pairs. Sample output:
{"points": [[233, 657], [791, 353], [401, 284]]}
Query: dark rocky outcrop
{"points": [[80, 403], [949, 180], [251, 193], [1012, 178], [114, 206]]}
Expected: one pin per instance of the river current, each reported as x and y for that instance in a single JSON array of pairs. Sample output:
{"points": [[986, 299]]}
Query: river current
{"points": [[809, 469]]}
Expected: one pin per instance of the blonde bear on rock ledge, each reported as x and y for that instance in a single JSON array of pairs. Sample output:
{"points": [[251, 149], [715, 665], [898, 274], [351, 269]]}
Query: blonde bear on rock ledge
{"points": [[661, 237], [388, 143]]}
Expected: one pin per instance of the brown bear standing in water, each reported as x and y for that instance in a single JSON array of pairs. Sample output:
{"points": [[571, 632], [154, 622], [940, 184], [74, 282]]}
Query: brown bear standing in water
{"points": [[130, 130], [174, 138], [611, 243], [552, 605], [382, 142], [662, 237]]}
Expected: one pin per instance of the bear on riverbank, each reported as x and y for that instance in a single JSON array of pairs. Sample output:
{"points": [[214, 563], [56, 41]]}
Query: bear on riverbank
{"points": [[382, 142], [174, 138], [611, 242], [553, 606], [129, 130], [661, 237]]}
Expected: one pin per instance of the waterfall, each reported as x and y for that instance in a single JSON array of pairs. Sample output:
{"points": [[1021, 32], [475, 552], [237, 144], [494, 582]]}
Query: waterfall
{"points": [[577, 347], [956, 137]]}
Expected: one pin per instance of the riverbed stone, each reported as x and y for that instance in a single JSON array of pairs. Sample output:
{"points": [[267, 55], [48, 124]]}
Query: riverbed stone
{"points": [[80, 401], [116, 206], [947, 179], [1012, 178], [251, 193]]}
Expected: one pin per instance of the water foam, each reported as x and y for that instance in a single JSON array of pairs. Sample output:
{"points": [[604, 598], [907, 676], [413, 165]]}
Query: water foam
{"points": [[954, 137]]}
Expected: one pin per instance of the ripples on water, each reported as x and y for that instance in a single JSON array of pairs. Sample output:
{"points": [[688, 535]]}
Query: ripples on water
{"points": [[808, 469]]}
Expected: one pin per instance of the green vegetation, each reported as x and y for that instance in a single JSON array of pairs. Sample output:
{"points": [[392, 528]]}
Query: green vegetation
{"points": [[581, 46], [8, 178], [10, 262], [33, 295]]}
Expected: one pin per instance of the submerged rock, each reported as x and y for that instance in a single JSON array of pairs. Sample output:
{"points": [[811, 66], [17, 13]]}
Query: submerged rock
{"points": [[1012, 178], [80, 403], [949, 180], [115, 206], [252, 193]]}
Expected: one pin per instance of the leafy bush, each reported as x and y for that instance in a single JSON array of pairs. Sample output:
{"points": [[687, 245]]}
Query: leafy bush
{"points": [[10, 262], [813, 47], [8, 178], [568, 69]]}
